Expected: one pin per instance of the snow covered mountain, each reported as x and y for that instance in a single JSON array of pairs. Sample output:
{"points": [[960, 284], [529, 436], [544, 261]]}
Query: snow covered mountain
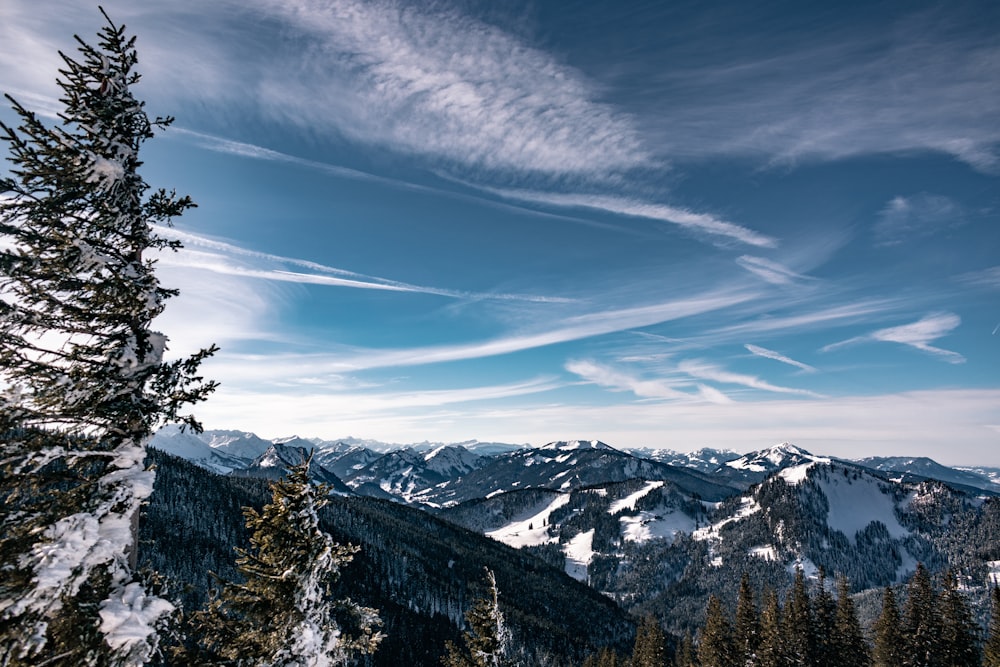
{"points": [[756, 466], [275, 461], [921, 467], [705, 459], [191, 447], [406, 473], [572, 528], [565, 466], [343, 459]]}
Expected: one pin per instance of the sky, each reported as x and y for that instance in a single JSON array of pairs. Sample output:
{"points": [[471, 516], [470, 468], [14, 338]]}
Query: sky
{"points": [[679, 225]]}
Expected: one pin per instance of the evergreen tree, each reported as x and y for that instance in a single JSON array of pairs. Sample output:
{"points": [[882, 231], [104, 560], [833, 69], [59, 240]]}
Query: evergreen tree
{"points": [[772, 651], [848, 646], [283, 614], [716, 646], [921, 622], [798, 623], [824, 620], [686, 655], [888, 630], [991, 649], [959, 633], [747, 630], [83, 383], [488, 640], [650, 648]]}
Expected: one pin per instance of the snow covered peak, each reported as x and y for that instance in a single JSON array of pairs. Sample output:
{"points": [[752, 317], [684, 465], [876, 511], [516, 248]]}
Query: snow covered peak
{"points": [[775, 458], [451, 460], [568, 445]]}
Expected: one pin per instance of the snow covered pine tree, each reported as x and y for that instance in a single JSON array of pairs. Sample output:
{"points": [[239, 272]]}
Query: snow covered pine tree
{"points": [[83, 383], [488, 640], [282, 615]]}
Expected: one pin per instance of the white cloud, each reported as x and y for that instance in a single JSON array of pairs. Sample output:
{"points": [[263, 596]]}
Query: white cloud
{"points": [[919, 335], [791, 324], [573, 328], [699, 222], [921, 78], [617, 380], [905, 218], [435, 82], [233, 260], [986, 278], [777, 356], [769, 271], [707, 371]]}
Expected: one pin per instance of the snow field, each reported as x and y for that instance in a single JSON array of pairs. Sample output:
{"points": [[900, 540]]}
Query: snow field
{"points": [[531, 527], [579, 552]]}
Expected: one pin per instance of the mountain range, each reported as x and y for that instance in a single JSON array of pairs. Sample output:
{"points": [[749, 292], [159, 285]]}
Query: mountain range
{"points": [[654, 531]]}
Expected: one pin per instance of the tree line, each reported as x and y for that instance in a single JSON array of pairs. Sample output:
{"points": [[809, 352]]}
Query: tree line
{"points": [[812, 627]]}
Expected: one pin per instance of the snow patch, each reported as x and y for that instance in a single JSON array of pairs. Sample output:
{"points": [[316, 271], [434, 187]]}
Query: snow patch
{"points": [[993, 576], [855, 504], [628, 502], [530, 528], [579, 552], [767, 552], [796, 474], [661, 523], [748, 506]]}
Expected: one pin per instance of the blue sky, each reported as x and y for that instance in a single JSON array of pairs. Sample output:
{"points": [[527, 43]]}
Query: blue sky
{"points": [[658, 224]]}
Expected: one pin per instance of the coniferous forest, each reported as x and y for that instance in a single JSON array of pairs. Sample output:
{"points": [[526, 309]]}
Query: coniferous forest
{"points": [[116, 553]]}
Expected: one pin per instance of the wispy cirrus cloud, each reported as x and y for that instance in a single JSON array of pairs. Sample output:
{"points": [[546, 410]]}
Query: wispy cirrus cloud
{"points": [[905, 218], [428, 80], [902, 83], [769, 271], [571, 328], [703, 223], [918, 335], [837, 315], [232, 260], [660, 388], [704, 370], [777, 356], [989, 278]]}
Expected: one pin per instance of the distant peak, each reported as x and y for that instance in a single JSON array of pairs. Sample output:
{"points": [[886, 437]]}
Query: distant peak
{"points": [[566, 445]]}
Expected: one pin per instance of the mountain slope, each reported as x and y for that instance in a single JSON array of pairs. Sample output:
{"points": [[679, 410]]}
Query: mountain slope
{"points": [[921, 467], [422, 573], [566, 466]]}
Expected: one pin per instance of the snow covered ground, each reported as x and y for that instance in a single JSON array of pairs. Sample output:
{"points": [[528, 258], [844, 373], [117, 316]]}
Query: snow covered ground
{"points": [[531, 527], [662, 522], [856, 503], [579, 552], [628, 502]]}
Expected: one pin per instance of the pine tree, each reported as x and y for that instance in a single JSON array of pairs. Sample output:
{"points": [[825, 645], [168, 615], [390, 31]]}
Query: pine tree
{"points": [[921, 622], [686, 654], [488, 640], [991, 649], [83, 383], [283, 614], [772, 651], [888, 630], [798, 623], [747, 630], [824, 620], [650, 648], [848, 646], [959, 633], [716, 646]]}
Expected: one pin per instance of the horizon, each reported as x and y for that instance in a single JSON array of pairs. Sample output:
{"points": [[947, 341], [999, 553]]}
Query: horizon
{"points": [[318, 441], [667, 227]]}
